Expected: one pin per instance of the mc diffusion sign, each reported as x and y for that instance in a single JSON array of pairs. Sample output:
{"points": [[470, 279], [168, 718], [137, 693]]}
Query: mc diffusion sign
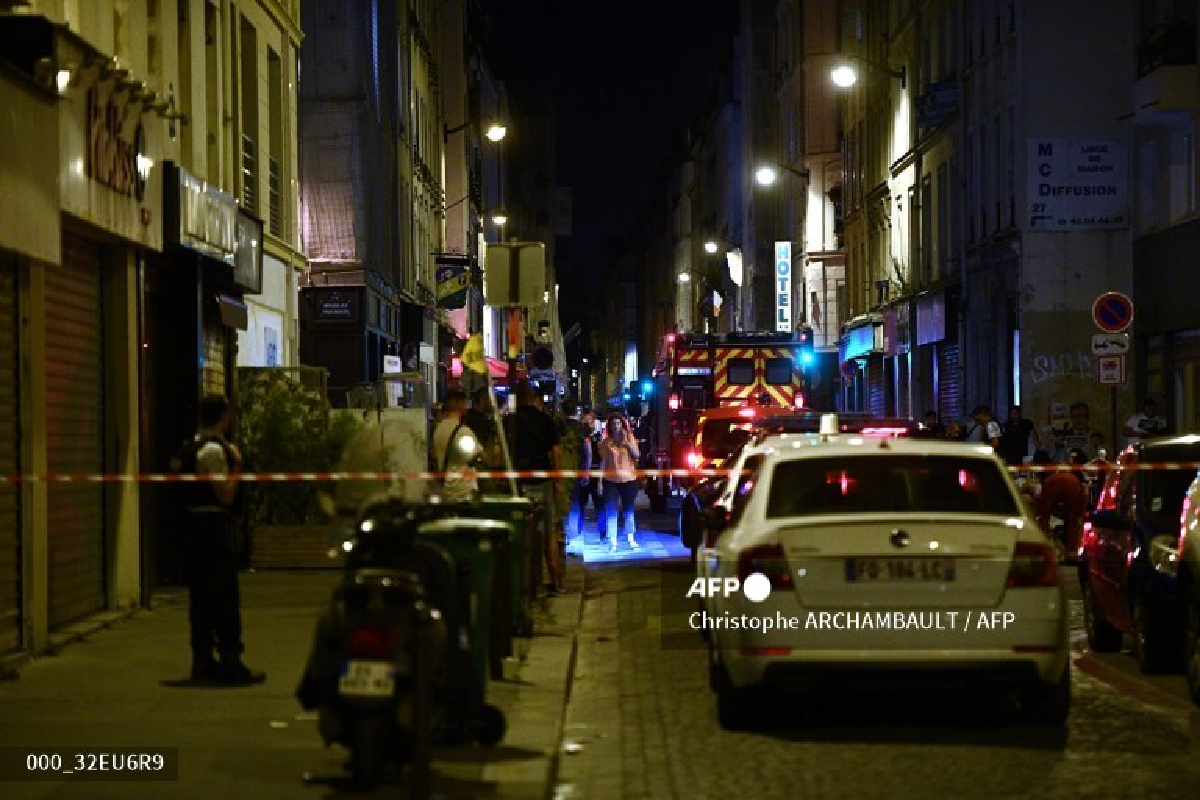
{"points": [[1077, 184], [783, 286]]}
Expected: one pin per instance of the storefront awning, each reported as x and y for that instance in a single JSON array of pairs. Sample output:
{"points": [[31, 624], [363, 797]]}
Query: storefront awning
{"points": [[233, 312], [497, 367]]}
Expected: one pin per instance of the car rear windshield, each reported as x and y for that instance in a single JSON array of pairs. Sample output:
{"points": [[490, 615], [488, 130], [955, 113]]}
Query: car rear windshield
{"points": [[1162, 492], [720, 437], [866, 484]]}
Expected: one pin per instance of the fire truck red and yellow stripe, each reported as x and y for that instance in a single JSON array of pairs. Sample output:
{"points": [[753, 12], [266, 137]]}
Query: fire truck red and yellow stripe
{"points": [[730, 393]]}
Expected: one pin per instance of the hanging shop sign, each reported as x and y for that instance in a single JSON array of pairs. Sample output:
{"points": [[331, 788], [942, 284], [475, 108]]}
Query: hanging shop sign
{"points": [[783, 286], [248, 256], [453, 280], [200, 216]]}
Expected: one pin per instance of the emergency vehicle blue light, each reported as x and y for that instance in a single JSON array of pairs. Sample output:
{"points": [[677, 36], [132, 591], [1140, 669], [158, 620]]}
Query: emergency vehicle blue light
{"points": [[806, 358], [647, 388]]}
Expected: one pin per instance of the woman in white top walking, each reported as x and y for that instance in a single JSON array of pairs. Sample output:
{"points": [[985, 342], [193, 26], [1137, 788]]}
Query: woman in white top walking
{"points": [[620, 454]]}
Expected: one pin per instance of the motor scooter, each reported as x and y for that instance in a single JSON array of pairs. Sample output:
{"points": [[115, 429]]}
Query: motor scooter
{"points": [[391, 667], [377, 653]]}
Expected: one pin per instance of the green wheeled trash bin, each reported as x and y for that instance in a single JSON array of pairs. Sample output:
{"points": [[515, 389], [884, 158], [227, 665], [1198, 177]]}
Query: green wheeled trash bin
{"points": [[473, 544], [516, 580]]}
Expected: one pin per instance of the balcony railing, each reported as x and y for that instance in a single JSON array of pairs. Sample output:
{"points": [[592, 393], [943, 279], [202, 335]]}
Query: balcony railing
{"points": [[275, 214], [1167, 46], [249, 175]]}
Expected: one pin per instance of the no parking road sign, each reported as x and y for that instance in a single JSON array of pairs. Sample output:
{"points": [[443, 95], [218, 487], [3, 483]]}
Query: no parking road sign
{"points": [[1112, 312]]}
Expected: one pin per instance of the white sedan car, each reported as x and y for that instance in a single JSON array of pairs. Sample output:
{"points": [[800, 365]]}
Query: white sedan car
{"points": [[909, 559]]}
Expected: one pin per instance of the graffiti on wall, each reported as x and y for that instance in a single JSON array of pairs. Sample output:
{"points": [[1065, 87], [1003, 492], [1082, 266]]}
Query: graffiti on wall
{"points": [[1049, 366]]}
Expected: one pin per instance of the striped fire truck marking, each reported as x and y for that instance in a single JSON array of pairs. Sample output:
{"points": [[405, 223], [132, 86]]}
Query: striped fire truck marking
{"points": [[730, 394], [692, 356]]}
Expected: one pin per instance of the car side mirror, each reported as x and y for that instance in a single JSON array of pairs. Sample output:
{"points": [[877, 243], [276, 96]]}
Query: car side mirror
{"points": [[1107, 518], [716, 520]]}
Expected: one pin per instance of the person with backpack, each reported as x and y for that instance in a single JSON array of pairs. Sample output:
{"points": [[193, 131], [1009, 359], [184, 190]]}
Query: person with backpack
{"points": [[533, 442], [214, 603], [455, 448]]}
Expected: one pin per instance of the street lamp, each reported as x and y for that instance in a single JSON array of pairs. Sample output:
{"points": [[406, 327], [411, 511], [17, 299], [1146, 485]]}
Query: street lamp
{"points": [[685, 277], [494, 133], [767, 174], [499, 219], [845, 74]]}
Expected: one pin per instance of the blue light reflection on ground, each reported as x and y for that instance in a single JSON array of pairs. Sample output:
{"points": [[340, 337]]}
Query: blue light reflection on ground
{"points": [[653, 545]]}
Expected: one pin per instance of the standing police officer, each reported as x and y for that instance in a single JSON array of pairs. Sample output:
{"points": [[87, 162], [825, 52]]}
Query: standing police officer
{"points": [[214, 613]]}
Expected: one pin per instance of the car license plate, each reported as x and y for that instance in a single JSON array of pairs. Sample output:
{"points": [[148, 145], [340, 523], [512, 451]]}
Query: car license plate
{"points": [[891, 570], [367, 679]]}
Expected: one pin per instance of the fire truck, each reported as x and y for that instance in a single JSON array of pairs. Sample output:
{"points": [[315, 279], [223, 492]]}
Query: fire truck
{"points": [[694, 372]]}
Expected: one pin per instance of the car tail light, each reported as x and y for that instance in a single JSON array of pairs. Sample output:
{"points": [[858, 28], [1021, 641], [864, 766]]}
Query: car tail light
{"points": [[371, 641], [1033, 564], [748, 411], [1089, 534], [766, 651], [770, 560], [673, 402], [694, 459]]}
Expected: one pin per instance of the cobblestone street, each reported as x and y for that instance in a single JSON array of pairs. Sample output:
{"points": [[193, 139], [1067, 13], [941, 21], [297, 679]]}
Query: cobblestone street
{"points": [[641, 723]]}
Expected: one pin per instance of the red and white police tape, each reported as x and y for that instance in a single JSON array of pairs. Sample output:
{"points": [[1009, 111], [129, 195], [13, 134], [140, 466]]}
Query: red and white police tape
{"points": [[298, 477]]}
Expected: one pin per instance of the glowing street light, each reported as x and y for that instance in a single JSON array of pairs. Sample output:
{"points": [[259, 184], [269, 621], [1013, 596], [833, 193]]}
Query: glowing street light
{"points": [[495, 132], [845, 75], [766, 175]]}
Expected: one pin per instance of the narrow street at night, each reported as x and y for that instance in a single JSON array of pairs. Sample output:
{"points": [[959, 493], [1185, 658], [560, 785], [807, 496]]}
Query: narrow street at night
{"points": [[641, 723]]}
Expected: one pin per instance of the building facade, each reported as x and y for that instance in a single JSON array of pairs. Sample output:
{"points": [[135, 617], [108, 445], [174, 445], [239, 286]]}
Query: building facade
{"points": [[126, 256]]}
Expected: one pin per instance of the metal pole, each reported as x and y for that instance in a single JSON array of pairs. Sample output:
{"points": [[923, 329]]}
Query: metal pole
{"points": [[1114, 448]]}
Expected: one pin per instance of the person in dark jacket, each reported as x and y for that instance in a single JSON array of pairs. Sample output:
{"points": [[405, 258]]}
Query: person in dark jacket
{"points": [[214, 613], [533, 440]]}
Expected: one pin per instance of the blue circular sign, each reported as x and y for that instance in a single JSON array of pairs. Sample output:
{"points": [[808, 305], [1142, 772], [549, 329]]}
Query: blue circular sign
{"points": [[1112, 312]]}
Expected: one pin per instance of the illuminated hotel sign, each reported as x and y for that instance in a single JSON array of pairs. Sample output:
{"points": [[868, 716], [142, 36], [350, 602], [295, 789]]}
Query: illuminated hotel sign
{"points": [[783, 286]]}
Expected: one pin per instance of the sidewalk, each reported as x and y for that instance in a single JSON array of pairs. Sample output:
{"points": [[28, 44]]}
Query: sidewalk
{"points": [[120, 685], [118, 681]]}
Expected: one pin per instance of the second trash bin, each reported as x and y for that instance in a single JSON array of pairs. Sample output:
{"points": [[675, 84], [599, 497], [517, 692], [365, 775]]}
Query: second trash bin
{"points": [[473, 543], [518, 512]]}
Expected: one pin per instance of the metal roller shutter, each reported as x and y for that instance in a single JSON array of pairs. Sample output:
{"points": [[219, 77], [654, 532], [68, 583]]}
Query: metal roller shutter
{"points": [[10, 493], [75, 430], [876, 386], [949, 377]]}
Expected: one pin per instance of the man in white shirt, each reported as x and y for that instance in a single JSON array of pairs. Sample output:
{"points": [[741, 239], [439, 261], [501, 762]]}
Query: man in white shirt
{"points": [[455, 448], [986, 429], [1148, 423]]}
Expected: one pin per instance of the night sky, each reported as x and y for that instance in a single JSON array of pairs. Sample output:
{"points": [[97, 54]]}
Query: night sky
{"points": [[626, 78]]}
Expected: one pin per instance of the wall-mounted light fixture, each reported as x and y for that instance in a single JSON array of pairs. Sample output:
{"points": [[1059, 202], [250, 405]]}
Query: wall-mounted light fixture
{"points": [[767, 174], [495, 130], [167, 110], [845, 74]]}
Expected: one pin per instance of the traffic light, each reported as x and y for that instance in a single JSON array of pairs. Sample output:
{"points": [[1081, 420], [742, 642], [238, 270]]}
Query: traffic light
{"points": [[804, 337]]}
